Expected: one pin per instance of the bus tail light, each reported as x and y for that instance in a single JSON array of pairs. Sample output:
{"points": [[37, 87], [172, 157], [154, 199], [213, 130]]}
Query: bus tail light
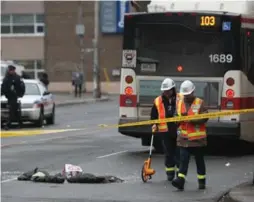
{"points": [[128, 90], [230, 93], [230, 81], [129, 79]]}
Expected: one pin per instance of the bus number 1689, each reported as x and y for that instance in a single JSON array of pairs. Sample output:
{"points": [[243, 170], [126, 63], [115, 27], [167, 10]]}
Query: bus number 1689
{"points": [[220, 58]]}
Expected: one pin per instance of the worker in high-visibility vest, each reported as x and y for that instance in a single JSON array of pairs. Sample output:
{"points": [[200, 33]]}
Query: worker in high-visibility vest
{"points": [[191, 135], [164, 107]]}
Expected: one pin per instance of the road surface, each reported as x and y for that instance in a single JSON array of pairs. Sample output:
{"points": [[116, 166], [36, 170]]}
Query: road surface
{"points": [[103, 151]]}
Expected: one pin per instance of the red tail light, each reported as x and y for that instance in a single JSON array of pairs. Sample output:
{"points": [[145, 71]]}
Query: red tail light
{"points": [[168, 14], [230, 81], [230, 93], [128, 90], [129, 79]]}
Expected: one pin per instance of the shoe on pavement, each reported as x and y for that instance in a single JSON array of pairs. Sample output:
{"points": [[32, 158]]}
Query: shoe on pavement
{"points": [[202, 184], [179, 183]]}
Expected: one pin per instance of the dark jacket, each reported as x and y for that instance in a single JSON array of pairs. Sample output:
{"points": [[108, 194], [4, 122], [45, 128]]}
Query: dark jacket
{"points": [[44, 79], [184, 142], [170, 107], [12, 87]]}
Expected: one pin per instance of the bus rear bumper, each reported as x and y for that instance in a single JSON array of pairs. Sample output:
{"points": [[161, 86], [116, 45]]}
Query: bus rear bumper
{"points": [[214, 129], [222, 129], [134, 131]]}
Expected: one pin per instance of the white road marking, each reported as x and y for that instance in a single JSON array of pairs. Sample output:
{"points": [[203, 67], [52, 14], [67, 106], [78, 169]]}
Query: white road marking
{"points": [[8, 180], [112, 154]]}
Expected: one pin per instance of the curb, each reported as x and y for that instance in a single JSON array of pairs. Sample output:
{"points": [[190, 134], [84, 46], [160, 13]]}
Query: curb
{"points": [[91, 100], [227, 197]]}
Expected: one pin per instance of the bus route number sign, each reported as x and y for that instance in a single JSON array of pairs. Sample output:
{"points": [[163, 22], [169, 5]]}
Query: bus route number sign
{"points": [[208, 21]]}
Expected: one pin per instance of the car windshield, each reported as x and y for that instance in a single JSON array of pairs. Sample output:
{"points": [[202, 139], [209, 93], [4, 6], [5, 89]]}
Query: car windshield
{"points": [[32, 89]]}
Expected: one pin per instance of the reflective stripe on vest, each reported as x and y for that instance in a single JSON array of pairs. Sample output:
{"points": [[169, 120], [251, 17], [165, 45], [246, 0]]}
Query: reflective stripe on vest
{"points": [[189, 130], [163, 127]]}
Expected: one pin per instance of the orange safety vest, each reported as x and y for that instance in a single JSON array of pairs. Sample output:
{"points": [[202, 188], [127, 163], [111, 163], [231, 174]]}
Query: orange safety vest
{"points": [[186, 129], [162, 127]]}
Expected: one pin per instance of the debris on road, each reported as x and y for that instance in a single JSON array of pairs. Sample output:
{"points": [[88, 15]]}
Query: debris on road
{"points": [[38, 175]]}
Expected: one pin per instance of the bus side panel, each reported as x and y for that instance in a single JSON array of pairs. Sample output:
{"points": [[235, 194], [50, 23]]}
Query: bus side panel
{"points": [[243, 98], [247, 120], [227, 103], [128, 103]]}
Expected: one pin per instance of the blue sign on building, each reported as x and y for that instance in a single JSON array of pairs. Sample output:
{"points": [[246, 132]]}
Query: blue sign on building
{"points": [[112, 15]]}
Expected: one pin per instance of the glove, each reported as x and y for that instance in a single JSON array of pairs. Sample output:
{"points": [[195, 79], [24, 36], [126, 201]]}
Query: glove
{"points": [[154, 128]]}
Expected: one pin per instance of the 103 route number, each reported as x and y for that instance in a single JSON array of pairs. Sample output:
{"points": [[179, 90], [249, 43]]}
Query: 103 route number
{"points": [[220, 58]]}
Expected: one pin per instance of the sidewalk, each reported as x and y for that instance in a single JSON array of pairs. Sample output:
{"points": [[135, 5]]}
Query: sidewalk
{"points": [[241, 193], [64, 99]]}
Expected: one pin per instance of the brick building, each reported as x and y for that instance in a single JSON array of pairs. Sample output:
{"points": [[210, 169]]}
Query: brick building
{"points": [[62, 48], [22, 34]]}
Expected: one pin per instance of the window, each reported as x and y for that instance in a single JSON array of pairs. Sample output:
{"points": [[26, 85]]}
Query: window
{"points": [[33, 68], [32, 89], [22, 24]]}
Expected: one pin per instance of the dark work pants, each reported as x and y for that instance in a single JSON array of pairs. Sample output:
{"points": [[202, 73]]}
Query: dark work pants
{"points": [[198, 153], [171, 153], [14, 112], [78, 89]]}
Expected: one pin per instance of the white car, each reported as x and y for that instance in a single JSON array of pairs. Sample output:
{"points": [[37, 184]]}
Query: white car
{"points": [[37, 104]]}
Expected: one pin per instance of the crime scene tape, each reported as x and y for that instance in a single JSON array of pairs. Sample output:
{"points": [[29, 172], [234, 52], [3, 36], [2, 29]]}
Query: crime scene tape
{"points": [[182, 118]]}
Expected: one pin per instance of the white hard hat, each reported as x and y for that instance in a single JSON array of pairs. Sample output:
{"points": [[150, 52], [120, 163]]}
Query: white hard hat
{"points": [[167, 84], [187, 87]]}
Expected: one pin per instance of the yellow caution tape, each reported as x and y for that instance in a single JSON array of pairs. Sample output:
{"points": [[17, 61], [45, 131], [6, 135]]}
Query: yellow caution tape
{"points": [[183, 118]]}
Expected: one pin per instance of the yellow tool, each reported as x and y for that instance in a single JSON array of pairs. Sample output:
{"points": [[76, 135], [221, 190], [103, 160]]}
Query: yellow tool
{"points": [[147, 171]]}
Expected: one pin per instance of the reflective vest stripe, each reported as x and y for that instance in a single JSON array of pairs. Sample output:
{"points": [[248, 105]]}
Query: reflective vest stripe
{"points": [[163, 127], [188, 130]]}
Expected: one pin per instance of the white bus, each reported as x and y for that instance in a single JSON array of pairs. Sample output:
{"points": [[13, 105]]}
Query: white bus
{"points": [[211, 44]]}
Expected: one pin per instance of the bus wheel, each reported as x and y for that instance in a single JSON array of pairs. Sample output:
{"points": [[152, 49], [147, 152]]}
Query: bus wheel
{"points": [[158, 146]]}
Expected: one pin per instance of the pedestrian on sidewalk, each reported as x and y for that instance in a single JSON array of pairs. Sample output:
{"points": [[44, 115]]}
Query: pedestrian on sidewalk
{"points": [[77, 82], [44, 79], [191, 137]]}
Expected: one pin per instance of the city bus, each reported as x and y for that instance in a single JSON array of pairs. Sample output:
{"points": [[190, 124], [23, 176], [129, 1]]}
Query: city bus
{"points": [[211, 44]]}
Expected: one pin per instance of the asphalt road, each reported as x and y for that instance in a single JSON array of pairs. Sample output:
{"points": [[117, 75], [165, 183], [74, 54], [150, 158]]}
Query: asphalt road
{"points": [[101, 151]]}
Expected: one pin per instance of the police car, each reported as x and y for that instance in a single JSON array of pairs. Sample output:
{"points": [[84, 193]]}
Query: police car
{"points": [[37, 104]]}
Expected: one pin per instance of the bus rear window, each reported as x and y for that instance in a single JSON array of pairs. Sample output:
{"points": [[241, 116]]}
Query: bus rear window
{"points": [[208, 91], [183, 51]]}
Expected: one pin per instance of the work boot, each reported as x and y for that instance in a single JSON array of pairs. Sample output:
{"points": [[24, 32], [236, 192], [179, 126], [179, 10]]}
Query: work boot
{"points": [[202, 184], [179, 183], [170, 176]]}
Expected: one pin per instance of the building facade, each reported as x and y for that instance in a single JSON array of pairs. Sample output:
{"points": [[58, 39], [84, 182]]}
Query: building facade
{"points": [[41, 36], [22, 34], [62, 45]]}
